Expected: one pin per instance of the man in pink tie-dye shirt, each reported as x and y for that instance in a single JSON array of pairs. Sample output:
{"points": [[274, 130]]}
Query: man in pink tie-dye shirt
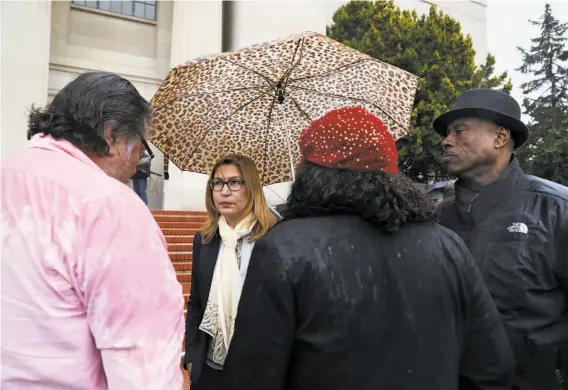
{"points": [[90, 299]]}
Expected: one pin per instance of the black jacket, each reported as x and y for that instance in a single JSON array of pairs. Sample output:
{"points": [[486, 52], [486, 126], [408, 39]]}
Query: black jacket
{"points": [[333, 303], [517, 231], [196, 341]]}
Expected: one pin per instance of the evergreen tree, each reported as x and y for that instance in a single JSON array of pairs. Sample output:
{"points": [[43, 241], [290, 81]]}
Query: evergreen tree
{"points": [[546, 155], [431, 46]]}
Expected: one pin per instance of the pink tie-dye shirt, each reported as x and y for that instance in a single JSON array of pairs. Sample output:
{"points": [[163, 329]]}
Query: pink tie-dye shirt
{"points": [[90, 298]]}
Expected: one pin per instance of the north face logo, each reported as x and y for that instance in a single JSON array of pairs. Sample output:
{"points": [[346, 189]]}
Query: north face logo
{"points": [[518, 227]]}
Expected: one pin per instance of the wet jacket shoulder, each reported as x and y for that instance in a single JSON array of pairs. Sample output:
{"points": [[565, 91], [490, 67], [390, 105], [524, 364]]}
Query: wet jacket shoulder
{"points": [[554, 198], [333, 303], [517, 231], [532, 201]]}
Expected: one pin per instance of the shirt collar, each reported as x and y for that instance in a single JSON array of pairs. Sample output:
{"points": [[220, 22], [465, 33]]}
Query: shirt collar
{"points": [[47, 142]]}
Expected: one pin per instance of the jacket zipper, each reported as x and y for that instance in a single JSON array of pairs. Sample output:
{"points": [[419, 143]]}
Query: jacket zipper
{"points": [[559, 377], [471, 203]]}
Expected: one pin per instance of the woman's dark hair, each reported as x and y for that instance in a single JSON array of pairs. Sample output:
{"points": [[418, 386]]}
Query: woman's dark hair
{"points": [[387, 201], [80, 112]]}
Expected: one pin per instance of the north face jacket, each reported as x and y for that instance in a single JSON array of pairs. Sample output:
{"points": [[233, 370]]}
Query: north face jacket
{"points": [[517, 231]]}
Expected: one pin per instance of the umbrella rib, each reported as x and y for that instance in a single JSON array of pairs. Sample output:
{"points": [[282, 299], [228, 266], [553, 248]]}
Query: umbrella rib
{"points": [[332, 71], [259, 87], [351, 98], [223, 120], [225, 91], [269, 119], [300, 47], [270, 82], [299, 108]]}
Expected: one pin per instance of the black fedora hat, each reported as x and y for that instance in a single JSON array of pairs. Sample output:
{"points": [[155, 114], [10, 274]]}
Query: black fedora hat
{"points": [[495, 106]]}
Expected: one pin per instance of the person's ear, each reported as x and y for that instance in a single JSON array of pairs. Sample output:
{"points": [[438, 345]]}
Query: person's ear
{"points": [[502, 137], [112, 151]]}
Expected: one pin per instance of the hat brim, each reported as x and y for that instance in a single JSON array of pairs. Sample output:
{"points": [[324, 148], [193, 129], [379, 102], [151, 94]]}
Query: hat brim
{"points": [[519, 131]]}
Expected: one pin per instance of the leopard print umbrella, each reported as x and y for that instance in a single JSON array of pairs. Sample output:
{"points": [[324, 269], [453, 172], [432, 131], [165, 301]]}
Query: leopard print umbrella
{"points": [[256, 101]]}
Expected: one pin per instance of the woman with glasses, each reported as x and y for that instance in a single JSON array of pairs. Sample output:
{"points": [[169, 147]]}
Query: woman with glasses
{"points": [[238, 216]]}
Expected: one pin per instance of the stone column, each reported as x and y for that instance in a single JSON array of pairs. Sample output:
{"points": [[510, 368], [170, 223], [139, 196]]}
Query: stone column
{"points": [[197, 28], [25, 49]]}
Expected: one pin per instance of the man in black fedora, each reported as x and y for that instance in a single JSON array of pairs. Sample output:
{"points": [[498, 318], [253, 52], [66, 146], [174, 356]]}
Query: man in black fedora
{"points": [[515, 226]]}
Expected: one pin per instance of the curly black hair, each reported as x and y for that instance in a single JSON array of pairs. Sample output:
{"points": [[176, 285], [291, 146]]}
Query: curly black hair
{"points": [[387, 201], [82, 109]]}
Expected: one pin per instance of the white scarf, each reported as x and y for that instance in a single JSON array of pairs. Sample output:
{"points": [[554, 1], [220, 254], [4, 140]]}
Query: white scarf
{"points": [[226, 286]]}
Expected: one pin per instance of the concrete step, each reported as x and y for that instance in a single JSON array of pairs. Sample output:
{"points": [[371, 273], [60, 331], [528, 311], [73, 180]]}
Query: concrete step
{"points": [[182, 266], [180, 225], [179, 229], [180, 218], [186, 287], [180, 247], [181, 256], [178, 212], [179, 232], [184, 239], [184, 276]]}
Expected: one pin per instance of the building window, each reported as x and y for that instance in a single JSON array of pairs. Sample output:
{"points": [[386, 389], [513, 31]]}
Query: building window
{"points": [[138, 9]]}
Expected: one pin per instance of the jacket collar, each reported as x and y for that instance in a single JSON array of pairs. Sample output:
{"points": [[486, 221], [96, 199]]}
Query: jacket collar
{"points": [[479, 202]]}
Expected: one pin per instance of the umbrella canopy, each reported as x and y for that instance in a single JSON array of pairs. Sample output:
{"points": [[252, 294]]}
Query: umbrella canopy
{"points": [[256, 101]]}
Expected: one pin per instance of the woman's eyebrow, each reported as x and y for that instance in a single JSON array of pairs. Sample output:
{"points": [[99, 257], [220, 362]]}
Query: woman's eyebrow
{"points": [[228, 178]]}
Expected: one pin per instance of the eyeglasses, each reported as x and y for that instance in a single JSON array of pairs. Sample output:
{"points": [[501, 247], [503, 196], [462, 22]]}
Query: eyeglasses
{"points": [[147, 147], [217, 185]]}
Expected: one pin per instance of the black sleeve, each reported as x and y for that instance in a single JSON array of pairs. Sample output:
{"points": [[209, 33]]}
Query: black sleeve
{"points": [[264, 330], [487, 361], [562, 254], [194, 310]]}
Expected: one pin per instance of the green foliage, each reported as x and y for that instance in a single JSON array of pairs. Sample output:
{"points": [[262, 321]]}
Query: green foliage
{"points": [[546, 155], [484, 78], [431, 46]]}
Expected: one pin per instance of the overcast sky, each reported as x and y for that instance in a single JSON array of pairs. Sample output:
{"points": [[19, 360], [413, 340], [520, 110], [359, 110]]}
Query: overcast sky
{"points": [[508, 26]]}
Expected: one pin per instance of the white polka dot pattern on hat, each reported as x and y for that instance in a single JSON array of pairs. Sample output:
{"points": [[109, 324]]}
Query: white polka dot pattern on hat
{"points": [[350, 138]]}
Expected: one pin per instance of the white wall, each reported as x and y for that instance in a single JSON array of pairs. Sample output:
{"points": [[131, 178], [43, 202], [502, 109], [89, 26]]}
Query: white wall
{"points": [[472, 16], [25, 27], [86, 40], [196, 31], [259, 21]]}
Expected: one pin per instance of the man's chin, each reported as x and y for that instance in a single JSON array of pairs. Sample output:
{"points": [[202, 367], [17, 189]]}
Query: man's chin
{"points": [[452, 169]]}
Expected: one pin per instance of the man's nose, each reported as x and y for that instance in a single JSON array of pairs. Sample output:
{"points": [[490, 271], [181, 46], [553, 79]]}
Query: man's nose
{"points": [[448, 141]]}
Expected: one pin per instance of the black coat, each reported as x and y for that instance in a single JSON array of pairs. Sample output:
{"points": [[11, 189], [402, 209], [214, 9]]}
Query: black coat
{"points": [[197, 341], [333, 303], [517, 231]]}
